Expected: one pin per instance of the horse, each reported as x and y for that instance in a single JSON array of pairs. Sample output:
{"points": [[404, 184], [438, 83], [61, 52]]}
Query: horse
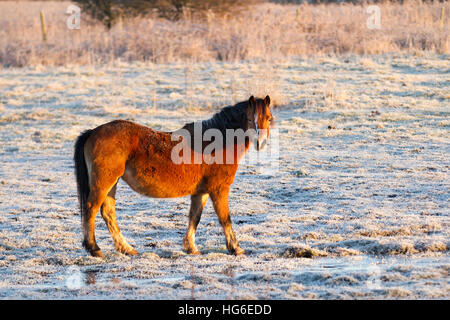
{"points": [[143, 158]]}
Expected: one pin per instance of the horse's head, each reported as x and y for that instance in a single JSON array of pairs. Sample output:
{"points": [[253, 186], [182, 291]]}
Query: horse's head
{"points": [[259, 119]]}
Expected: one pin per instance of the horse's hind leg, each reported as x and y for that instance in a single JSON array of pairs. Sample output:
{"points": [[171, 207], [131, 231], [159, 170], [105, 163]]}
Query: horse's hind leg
{"points": [[101, 180], [109, 215], [95, 200], [198, 202]]}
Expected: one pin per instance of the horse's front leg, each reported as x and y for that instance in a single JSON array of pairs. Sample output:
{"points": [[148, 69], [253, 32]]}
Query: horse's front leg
{"points": [[220, 202], [198, 202]]}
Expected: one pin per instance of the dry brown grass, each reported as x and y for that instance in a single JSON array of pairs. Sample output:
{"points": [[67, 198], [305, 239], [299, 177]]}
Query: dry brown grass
{"points": [[268, 31]]}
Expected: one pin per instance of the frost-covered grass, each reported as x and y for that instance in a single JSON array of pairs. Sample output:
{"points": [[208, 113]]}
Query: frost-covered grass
{"points": [[357, 209], [264, 31]]}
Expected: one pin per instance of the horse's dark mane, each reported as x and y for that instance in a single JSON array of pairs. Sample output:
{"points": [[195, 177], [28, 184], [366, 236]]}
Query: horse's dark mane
{"points": [[230, 117]]}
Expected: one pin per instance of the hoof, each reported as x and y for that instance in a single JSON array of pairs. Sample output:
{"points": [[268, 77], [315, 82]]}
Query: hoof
{"points": [[238, 251], [190, 249], [93, 250], [132, 253], [193, 251], [128, 251], [96, 253]]}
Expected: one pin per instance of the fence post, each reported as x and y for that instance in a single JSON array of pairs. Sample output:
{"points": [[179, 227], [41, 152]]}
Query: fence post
{"points": [[43, 27]]}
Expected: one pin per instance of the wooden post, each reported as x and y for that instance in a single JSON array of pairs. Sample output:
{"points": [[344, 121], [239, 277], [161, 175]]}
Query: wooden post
{"points": [[442, 19], [43, 27]]}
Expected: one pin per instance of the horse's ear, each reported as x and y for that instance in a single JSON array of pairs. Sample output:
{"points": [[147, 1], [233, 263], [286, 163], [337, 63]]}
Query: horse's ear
{"points": [[252, 101], [267, 100]]}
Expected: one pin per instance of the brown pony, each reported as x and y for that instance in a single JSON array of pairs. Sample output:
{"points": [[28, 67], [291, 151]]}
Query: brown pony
{"points": [[142, 158]]}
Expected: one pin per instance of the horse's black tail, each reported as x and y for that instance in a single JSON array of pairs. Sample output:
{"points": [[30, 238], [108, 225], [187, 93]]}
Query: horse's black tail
{"points": [[81, 172]]}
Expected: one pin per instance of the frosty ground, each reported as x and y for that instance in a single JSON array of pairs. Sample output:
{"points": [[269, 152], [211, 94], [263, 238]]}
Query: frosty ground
{"points": [[358, 207]]}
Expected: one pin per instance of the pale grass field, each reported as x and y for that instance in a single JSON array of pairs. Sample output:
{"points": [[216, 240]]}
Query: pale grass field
{"points": [[268, 31], [358, 208], [357, 211]]}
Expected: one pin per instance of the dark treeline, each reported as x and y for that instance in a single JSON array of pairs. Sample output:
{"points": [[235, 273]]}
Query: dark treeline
{"points": [[110, 11]]}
